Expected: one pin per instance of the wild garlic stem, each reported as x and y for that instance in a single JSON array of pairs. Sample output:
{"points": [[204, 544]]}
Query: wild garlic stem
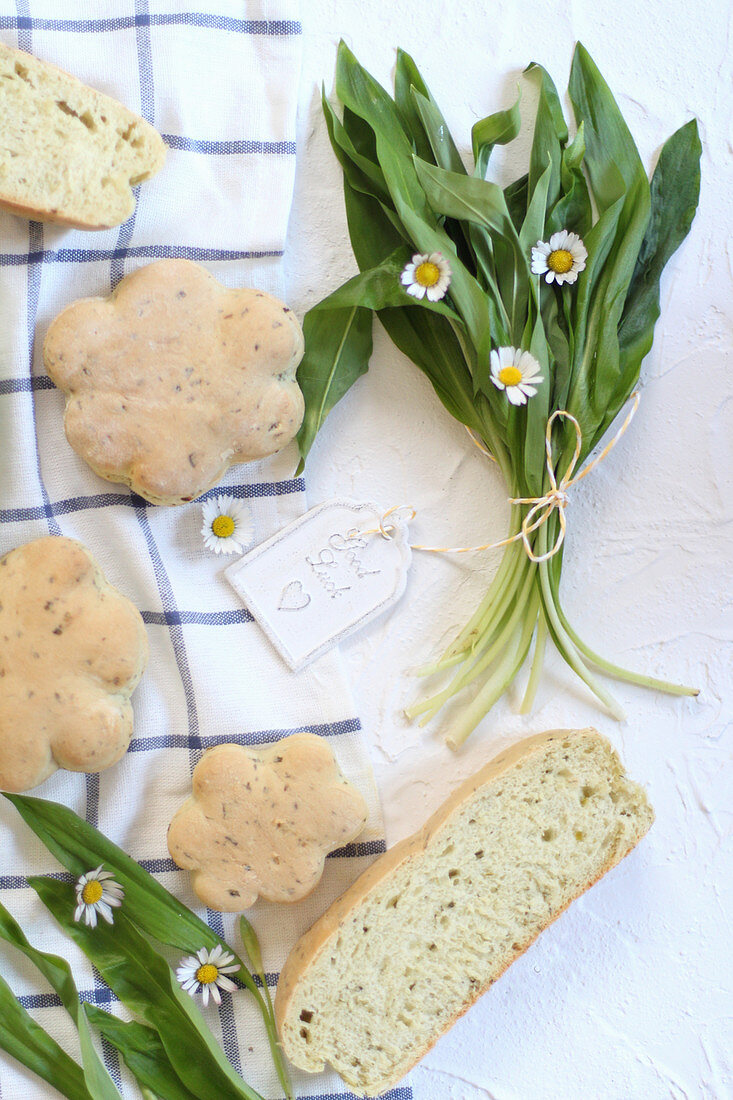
{"points": [[497, 684], [538, 661], [562, 639]]}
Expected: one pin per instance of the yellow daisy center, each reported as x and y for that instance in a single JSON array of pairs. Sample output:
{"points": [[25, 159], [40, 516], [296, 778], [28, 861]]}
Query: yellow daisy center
{"points": [[207, 974], [427, 273], [560, 261], [510, 376], [223, 527], [91, 892]]}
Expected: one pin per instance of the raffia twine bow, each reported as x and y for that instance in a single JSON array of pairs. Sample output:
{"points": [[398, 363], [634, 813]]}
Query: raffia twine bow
{"points": [[540, 508]]}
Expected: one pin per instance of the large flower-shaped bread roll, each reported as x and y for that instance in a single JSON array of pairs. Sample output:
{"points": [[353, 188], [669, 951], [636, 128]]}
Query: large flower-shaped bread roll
{"points": [[72, 649], [174, 378], [262, 821]]}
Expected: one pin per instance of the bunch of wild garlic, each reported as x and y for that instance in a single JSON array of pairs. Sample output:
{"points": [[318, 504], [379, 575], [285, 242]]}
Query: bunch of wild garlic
{"points": [[516, 303]]}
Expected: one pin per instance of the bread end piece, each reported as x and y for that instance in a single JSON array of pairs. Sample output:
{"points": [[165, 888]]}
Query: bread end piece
{"points": [[68, 153], [433, 923]]}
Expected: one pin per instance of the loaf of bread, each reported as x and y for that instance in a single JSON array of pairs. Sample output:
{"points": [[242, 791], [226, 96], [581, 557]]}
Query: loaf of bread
{"points": [[174, 378], [68, 153], [436, 920]]}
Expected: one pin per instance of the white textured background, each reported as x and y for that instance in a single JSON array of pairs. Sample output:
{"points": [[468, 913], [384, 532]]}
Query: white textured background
{"points": [[629, 995]]}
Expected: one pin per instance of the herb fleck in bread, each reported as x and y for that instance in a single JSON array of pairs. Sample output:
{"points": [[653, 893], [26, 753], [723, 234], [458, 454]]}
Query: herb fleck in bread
{"points": [[434, 922], [68, 153]]}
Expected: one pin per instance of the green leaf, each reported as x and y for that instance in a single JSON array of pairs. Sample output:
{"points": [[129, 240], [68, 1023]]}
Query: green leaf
{"points": [[26, 1041], [610, 148], [58, 974], [143, 1054], [380, 288], [361, 171], [407, 78], [573, 210], [675, 190], [497, 129], [516, 196], [78, 846], [482, 203], [439, 136], [338, 345], [145, 983], [550, 135]]}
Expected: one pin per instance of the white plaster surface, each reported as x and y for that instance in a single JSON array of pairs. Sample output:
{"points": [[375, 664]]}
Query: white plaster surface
{"points": [[629, 995]]}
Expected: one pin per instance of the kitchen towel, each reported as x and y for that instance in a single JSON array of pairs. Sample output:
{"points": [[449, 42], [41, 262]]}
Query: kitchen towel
{"points": [[219, 80]]}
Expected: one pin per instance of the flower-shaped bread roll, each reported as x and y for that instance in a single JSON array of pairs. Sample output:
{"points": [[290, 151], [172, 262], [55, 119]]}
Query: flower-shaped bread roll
{"points": [[72, 649], [261, 821], [174, 378]]}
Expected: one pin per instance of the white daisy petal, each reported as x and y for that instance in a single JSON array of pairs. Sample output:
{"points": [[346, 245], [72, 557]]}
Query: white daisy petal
{"points": [[205, 993], [105, 912], [90, 915], [225, 983], [561, 259], [427, 275], [515, 395], [227, 525], [516, 372]]}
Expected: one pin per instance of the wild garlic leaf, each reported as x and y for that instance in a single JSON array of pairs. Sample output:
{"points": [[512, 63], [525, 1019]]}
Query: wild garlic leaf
{"points": [[57, 973], [78, 846], [550, 135], [675, 190], [360, 170], [145, 983], [498, 129], [143, 1054], [338, 346], [26, 1041], [407, 79]]}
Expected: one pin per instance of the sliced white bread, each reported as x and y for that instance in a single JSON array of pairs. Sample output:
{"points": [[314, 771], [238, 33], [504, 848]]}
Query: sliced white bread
{"points": [[436, 920], [68, 153]]}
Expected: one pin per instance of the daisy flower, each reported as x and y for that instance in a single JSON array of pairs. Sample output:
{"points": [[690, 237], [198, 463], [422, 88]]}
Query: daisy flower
{"points": [[517, 372], [427, 275], [96, 894], [207, 970], [561, 258], [227, 525]]}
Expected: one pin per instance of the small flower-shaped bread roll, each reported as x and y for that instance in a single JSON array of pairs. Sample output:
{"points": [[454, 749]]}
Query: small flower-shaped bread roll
{"points": [[72, 648], [174, 378], [261, 821]]}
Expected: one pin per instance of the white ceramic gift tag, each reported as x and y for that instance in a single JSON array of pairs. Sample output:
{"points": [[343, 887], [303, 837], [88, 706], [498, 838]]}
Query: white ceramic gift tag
{"points": [[323, 577]]}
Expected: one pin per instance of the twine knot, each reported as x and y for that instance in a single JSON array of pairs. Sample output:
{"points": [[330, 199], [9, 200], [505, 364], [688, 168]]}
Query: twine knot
{"points": [[556, 498]]}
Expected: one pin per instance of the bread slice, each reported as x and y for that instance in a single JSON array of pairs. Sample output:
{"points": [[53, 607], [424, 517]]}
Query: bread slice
{"points": [[436, 920], [68, 154]]}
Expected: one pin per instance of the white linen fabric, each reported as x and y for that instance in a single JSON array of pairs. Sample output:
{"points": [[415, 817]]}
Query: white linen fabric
{"points": [[219, 80]]}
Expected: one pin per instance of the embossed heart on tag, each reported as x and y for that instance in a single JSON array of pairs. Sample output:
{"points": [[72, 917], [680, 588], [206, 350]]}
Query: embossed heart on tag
{"points": [[293, 597]]}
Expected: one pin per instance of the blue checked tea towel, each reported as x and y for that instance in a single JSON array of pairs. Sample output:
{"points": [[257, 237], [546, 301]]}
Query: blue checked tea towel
{"points": [[219, 81]]}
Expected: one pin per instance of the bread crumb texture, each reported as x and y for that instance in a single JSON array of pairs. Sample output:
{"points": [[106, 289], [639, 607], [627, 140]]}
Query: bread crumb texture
{"points": [[434, 922], [72, 649], [174, 378], [261, 821], [67, 152]]}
